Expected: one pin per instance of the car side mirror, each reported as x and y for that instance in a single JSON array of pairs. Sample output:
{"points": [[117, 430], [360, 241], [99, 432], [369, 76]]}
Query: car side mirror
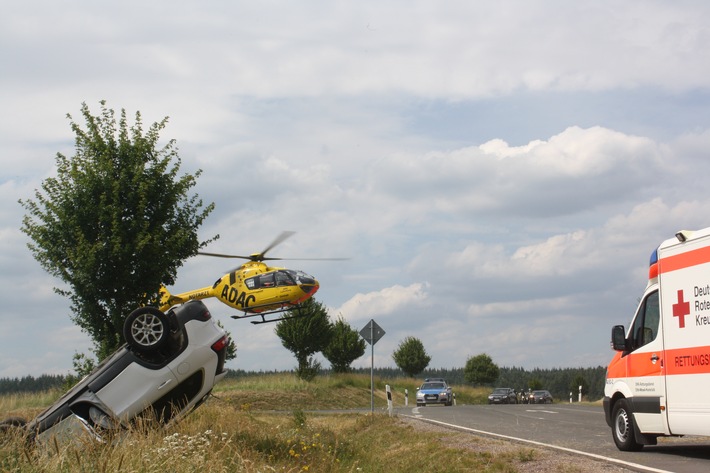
{"points": [[618, 338]]}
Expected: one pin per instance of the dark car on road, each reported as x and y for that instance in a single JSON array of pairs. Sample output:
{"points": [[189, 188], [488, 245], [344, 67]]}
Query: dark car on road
{"points": [[541, 396], [503, 396], [167, 368]]}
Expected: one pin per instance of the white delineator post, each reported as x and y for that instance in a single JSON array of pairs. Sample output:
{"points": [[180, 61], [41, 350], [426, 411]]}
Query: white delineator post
{"points": [[389, 399], [406, 397]]}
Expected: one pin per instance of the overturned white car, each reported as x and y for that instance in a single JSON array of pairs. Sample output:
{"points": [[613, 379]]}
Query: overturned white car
{"points": [[168, 367]]}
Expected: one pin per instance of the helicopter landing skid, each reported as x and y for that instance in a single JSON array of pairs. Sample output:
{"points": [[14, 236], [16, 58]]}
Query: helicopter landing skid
{"points": [[263, 316]]}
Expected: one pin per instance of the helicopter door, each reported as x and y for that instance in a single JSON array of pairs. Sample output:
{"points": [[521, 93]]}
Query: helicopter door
{"points": [[261, 281], [267, 280], [284, 279]]}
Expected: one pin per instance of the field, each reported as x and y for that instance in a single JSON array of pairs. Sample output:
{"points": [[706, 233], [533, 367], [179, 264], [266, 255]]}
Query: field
{"points": [[266, 424]]}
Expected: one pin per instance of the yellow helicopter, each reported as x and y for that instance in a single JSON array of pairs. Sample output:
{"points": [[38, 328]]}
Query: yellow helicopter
{"points": [[254, 288]]}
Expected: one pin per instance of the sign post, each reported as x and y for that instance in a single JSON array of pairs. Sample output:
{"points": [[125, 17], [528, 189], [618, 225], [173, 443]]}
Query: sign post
{"points": [[372, 333]]}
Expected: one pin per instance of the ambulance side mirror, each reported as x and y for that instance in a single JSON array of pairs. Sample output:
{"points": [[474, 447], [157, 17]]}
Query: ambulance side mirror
{"points": [[618, 338]]}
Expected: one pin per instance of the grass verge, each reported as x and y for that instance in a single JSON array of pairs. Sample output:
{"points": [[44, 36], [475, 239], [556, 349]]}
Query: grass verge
{"points": [[263, 424]]}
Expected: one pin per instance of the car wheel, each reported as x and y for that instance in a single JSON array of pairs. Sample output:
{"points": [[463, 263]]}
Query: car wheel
{"points": [[146, 329], [13, 422], [623, 428], [10, 423]]}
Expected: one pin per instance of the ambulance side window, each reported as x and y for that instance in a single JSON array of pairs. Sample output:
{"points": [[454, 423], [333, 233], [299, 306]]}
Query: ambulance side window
{"points": [[645, 328]]}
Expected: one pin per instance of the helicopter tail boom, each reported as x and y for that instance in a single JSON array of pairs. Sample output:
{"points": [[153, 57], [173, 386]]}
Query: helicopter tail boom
{"points": [[168, 300]]}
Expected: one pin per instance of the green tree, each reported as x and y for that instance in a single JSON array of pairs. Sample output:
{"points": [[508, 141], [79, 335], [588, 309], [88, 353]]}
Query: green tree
{"points": [[411, 357], [480, 369], [578, 381], [345, 347], [115, 223], [306, 330], [231, 346], [535, 384]]}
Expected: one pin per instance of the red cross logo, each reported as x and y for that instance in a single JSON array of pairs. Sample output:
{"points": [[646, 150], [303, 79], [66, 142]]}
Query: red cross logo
{"points": [[681, 309]]}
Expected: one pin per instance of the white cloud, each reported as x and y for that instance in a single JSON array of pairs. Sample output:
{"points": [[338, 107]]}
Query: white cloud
{"points": [[498, 173]]}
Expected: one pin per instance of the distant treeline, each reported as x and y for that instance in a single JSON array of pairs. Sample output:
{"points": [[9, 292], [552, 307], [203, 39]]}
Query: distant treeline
{"points": [[557, 380], [31, 384]]}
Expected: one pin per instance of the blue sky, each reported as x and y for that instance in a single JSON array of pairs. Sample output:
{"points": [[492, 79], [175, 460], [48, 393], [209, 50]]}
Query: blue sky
{"points": [[498, 173]]}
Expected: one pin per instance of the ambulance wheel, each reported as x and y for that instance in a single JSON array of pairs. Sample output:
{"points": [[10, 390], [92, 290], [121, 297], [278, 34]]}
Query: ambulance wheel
{"points": [[146, 330], [623, 428]]}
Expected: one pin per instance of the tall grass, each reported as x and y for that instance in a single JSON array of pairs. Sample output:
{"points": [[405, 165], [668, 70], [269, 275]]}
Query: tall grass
{"points": [[229, 434], [343, 391], [26, 405]]}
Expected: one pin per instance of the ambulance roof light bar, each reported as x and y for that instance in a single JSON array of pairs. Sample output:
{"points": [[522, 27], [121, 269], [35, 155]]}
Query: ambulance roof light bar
{"points": [[683, 235]]}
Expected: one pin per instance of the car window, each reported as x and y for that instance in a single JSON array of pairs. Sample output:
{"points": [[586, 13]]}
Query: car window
{"points": [[177, 398], [432, 386]]}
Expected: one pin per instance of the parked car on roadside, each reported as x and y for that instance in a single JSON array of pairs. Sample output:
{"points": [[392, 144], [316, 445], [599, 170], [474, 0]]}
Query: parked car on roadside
{"points": [[541, 396], [435, 392], [168, 367], [503, 396]]}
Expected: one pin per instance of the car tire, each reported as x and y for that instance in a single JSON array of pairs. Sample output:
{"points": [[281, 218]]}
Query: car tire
{"points": [[146, 330], [623, 428], [9, 423]]}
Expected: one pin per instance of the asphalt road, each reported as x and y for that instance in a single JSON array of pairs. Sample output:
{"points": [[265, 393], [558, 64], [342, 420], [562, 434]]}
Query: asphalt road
{"points": [[580, 428]]}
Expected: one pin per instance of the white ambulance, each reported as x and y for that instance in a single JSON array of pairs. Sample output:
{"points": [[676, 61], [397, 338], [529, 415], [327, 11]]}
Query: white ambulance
{"points": [[658, 382]]}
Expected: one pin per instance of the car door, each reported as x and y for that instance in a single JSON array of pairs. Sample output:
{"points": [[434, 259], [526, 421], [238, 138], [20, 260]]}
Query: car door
{"points": [[135, 388], [645, 366]]}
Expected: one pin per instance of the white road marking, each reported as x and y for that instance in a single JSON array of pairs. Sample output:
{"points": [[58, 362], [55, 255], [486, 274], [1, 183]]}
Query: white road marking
{"points": [[548, 445]]}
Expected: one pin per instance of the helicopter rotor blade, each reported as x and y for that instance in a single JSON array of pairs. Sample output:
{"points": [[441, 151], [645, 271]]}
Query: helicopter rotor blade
{"points": [[312, 259], [261, 256], [256, 256], [221, 255], [279, 239]]}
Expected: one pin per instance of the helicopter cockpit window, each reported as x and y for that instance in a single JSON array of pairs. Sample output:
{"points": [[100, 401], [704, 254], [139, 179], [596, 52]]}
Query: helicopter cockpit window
{"points": [[266, 280], [303, 278], [284, 279], [262, 280]]}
